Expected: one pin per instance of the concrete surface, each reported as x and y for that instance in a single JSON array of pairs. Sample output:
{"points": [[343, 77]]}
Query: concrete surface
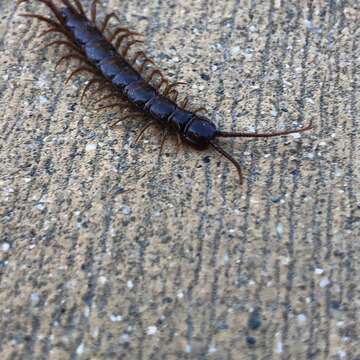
{"points": [[107, 252]]}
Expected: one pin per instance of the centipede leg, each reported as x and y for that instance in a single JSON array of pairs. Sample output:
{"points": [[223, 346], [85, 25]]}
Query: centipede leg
{"points": [[153, 73], [42, 18], [88, 86], [137, 55], [93, 10], [72, 56], [79, 6], [178, 142], [169, 88], [50, 5], [54, 30], [146, 61], [105, 98], [121, 38], [174, 91], [105, 86], [129, 116], [163, 138], [184, 103], [79, 70], [109, 106], [107, 18], [129, 45], [162, 81], [120, 30], [142, 131], [65, 43]]}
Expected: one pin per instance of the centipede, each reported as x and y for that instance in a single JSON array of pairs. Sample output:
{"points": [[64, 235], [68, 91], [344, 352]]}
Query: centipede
{"points": [[130, 80]]}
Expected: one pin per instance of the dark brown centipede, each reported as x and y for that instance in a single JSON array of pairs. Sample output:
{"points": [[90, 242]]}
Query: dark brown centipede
{"points": [[108, 60]]}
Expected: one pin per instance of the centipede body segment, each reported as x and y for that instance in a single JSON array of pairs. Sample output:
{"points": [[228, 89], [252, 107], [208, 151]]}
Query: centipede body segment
{"points": [[107, 59]]}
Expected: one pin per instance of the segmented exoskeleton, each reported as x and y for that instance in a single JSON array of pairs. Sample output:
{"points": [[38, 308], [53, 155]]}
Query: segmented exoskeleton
{"points": [[116, 72]]}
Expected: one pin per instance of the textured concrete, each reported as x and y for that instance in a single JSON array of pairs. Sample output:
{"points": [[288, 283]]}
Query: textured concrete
{"points": [[108, 252]]}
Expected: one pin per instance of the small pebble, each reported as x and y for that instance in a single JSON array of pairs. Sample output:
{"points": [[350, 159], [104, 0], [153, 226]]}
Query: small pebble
{"points": [[40, 206], [279, 229], [251, 341], [126, 210], [116, 318], [151, 330], [254, 321], [205, 77], [296, 135], [279, 347], [80, 349], [102, 280], [34, 298], [301, 318], [235, 50], [124, 338], [324, 282], [212, 349], [308, 24], [90, 147], [5, 247]]}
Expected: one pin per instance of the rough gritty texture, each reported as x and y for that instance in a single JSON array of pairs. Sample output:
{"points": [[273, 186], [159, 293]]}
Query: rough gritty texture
{"points": [[108, 252]]}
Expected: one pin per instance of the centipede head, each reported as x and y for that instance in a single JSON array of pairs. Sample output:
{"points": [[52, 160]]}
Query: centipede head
{"points": [[199, 132], [202, 133]]}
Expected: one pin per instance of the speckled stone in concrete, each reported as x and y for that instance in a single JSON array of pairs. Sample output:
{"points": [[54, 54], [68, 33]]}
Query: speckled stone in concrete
{"points": [[107, 252]]}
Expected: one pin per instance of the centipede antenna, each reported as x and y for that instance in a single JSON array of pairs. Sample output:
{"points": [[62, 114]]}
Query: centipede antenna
{"points": [[263, 135], [219, 149]]}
